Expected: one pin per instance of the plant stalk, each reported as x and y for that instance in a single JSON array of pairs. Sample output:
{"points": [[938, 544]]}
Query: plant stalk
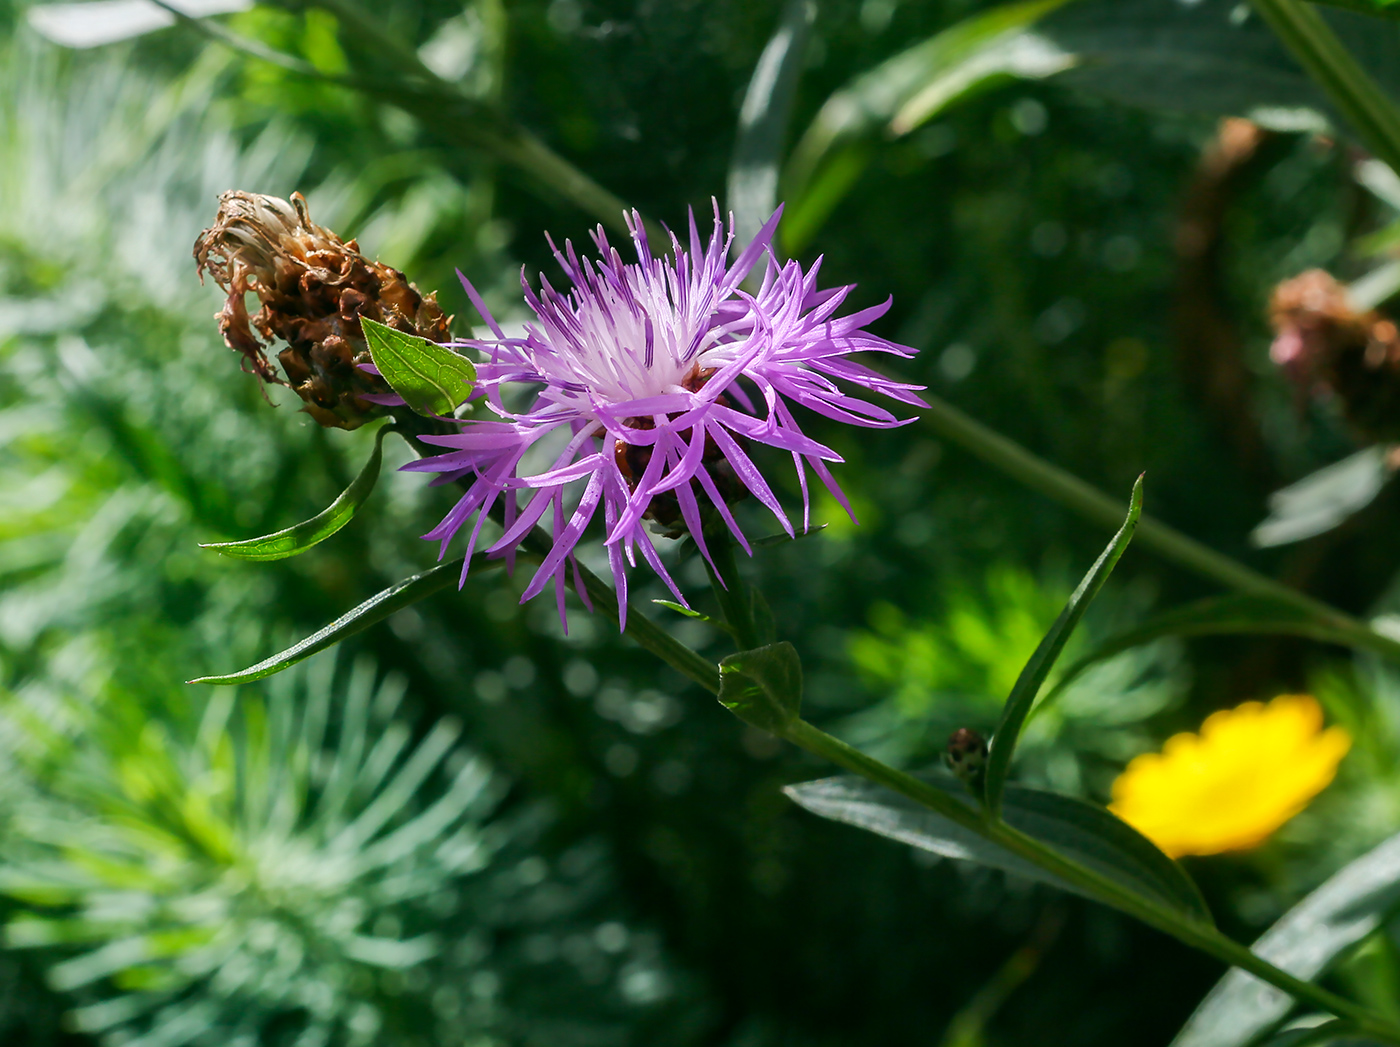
{"points": [[732, 592], [1169, 543], [1197, 935], [1350, 89]]}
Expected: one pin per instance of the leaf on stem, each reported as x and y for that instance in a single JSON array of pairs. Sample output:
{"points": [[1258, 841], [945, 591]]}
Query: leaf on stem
{"points": [[300, 537], [903, 92], [763, 121], [375, 609], [431, 378], [1081, 832], [1325, 499], [1378, 8], [699, 616], [1232, 615], [763, 687], [1018, 704], [107, 21], [1310, 936]]}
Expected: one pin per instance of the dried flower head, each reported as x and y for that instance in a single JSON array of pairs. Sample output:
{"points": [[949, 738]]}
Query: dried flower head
{"points": [[1230, 787], [654, 380], [314, 287], [1322, 340]]}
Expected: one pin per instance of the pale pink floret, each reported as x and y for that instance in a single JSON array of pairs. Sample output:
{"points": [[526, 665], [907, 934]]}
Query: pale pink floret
{"points": [[666, 339]]}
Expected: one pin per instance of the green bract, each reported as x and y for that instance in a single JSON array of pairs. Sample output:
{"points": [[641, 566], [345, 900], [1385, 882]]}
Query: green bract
{"points": [[432, 379]]}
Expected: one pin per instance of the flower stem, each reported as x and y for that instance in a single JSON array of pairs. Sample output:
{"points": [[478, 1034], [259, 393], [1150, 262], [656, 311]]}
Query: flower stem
{"points": [[1091, 503], [1198, 935], [1348, 86], [733, 593]]}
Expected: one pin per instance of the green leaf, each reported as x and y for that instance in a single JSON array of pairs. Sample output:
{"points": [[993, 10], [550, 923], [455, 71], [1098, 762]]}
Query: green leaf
{"points": [[763, 687], [431, 378], [375, 609], [699, 616], [1344, 910], [1077, 830], [1234, 615], [752, 191], [1378, 8], [84, 25], [300, 537], [904, 91], [1027, 686], [1324, 499]]}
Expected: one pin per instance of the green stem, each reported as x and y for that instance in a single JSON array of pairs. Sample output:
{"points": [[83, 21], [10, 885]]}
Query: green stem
{"points": [[1198, 935], [443, 110], [1348, 86], [732, 592], [1091, 503]]}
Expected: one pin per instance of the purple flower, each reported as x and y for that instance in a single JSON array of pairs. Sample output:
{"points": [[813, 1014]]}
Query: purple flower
{"points": [[657, 377]]}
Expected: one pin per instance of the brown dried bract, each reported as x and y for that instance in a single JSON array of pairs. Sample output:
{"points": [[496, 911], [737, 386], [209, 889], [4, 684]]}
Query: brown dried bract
{"points": [[1322, 340], [313, 288]]}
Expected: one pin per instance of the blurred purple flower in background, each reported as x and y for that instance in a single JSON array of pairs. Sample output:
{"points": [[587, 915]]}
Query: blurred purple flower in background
{"points": [[640, 366]]}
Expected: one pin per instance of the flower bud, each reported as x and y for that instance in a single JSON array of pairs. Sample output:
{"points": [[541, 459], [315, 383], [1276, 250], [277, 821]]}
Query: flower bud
{"points": [[1321, 340], [966, 756], [313, 288]]}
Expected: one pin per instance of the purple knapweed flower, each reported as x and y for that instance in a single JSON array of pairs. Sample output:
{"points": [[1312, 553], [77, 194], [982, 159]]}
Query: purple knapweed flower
{"points": [[657, 376]]}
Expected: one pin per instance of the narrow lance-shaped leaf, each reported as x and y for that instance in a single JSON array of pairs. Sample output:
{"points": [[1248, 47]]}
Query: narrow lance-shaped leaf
{"points": [[431, 378], [375, 609], [1239, 614], [763, 121], [99, 22], [1378, 8], [903, 92], [1325, 499], [1080, 831], [1337, 915], [1028, 684], [300, 537]]}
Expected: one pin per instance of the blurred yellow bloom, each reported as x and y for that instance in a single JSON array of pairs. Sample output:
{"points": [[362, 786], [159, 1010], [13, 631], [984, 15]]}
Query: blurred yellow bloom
{"points": [[1228, 788]]}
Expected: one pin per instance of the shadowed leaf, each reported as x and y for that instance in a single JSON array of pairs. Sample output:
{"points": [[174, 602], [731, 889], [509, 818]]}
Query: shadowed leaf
{"points": [[1018, 703], [1081, 831], [1310, 936]]}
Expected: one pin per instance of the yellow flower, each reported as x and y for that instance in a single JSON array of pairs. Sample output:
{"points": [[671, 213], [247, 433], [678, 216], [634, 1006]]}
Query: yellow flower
{"points": [[1229, 787]]}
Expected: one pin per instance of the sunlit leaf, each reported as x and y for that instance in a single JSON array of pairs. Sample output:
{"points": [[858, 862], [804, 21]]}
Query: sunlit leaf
{"points": [[763, 121], [1238, 614], [1325, 499], [432, 379], [300, 537], [1341, 912], [1028, 684], [1080, 831], [107, 21], [903, 92]]}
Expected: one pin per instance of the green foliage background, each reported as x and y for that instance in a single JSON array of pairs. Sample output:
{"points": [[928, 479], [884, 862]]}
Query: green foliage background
{"points": [[624, 869]]}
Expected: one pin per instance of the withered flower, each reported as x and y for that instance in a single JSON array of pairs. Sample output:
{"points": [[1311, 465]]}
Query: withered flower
{"points": [[313, 287], [1321, 340]]}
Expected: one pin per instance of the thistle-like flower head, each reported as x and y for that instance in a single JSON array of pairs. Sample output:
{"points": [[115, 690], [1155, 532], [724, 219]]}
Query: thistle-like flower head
{"points": [[657, 378]]}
